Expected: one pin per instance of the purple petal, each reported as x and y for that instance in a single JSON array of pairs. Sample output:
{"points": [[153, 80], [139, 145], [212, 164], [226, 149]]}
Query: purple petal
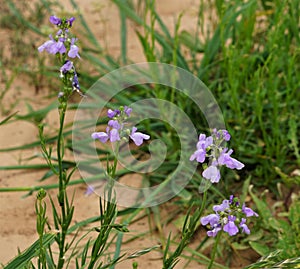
{"points": [[111, 113], [212, 173], [230, 162], [55, 20], [214, 232], [222, 207], [209, 140], [61, 47], [73, 52], [248, 211], [127, 110], [89, 190], [114, 124], [226, 135], [67, 66], [244, 226], [199, 155], [70, 21], [46, 45], [75, 82], [138, 137], [114, 135], [230, 227], [101, 136], [204, 141], [212, 219]]}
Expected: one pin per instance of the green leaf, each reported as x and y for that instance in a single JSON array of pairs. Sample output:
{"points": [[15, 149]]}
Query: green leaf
{"points": [[255, 236], [8, 118], [238, 246], [188, 40], [142, 252], [263, 209], [259, 248], [23, 258]]}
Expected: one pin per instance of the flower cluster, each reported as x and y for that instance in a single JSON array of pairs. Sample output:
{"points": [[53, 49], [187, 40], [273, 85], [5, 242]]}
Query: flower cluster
{"points": [[230, 216], [63, 44], [218, 156], [116, 129]]}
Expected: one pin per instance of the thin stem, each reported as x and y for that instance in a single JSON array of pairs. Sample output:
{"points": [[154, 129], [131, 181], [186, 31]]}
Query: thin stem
{"points": [[203, 203], [114, 168], [214, 251], [62, 185], [112, 172], [108, 213], [188, 231]]}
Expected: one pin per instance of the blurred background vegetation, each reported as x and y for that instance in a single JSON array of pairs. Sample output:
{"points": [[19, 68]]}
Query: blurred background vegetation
{"points": [[249, 59]]}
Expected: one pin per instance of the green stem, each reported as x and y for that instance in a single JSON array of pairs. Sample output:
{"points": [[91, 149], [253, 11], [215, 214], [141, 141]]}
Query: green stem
{"points": [[108, 213], [203, 203], [114, 168], [187, 232], [214, 251], [112, 172], [62, 185]]}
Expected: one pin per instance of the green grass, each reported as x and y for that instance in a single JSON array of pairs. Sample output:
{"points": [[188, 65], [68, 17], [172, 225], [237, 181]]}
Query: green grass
{"points": [[250, 62]]}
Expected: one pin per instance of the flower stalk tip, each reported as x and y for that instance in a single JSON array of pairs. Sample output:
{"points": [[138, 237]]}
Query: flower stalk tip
{"points": [[116, 128], [64, 45], [211, 147]]}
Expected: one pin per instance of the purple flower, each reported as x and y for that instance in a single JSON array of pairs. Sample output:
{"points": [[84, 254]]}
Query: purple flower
{"points": [[203, 143], [115, 130], [89, 190], [226, 135], [53, 47], [214, 231], [225, 159], [226, 218], [70, 21], [127, 110], [138, 137], [212, 219], [114, 124], [47, 45], [199, 155], [222, 207], [114, 135], [59, 32], [101, 136], [244, 226], [73, 52], [55, 20], [230, 226], [248, 211], [111, 113], [59, 47], [222, 134], [66, 67], [212, 173], [75, 82]]}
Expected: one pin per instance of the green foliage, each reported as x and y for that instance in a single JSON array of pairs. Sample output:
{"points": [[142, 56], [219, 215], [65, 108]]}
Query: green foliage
{"points": [[282, 237], [274, 261], [23, 258], [250, 62]]}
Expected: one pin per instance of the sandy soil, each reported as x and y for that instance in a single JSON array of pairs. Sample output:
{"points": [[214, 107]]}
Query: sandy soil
{"points": [[17, 220]]}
